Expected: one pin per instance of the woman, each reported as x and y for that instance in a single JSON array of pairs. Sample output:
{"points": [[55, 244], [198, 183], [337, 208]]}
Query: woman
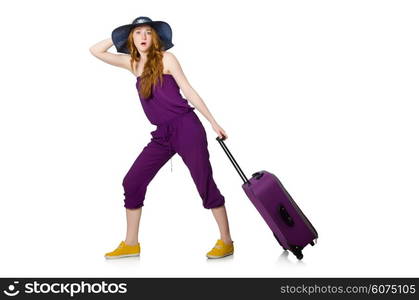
{"points": [[159, 76]]}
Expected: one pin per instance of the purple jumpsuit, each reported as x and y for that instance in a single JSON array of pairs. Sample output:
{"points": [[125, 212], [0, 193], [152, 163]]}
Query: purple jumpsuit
{"points": [[179, 130]]}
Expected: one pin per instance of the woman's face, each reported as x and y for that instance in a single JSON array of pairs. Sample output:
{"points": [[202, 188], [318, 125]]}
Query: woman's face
{"points": [[142, 37]]}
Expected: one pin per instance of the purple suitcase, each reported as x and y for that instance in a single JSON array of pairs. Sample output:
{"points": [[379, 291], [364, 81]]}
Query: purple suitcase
{"points": [[290, 226]]}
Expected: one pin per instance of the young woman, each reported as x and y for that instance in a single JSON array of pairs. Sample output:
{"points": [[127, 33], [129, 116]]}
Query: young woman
{"points": [[179, 130]]}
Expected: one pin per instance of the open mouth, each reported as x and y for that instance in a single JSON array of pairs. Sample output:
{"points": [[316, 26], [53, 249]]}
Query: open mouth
{"points": [[143, 43]]}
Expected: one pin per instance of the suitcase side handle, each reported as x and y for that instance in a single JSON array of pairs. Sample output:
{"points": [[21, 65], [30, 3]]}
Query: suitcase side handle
{"points": [[285, 215], [233, 161]]}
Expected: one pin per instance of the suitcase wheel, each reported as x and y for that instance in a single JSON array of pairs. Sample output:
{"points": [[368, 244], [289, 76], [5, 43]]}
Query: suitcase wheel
{"points": [[299, 255], [296, 250]]}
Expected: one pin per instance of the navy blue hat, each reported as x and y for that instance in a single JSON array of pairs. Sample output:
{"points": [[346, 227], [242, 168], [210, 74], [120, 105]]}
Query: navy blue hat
{"points": [[120, 34]]}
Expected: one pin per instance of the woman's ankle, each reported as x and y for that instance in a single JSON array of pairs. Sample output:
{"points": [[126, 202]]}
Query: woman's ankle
{"points": [[131, 242], [227, 240]]}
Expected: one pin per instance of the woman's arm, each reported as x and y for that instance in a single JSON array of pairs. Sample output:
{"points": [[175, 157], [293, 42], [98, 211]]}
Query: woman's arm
{"points": [[99, 50], [176, 70]]}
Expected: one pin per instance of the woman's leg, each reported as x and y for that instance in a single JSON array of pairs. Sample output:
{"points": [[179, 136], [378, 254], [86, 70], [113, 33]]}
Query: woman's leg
{"points": [[220, 215], [191, 144], [133, 223], [136, 181]]}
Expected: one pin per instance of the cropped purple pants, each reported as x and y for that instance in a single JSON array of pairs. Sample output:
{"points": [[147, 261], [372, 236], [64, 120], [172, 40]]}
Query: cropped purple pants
{"points": [[186, 136]]}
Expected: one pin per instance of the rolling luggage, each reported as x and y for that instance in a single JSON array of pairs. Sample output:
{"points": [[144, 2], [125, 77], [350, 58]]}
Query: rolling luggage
{"points": [[290, 227]]}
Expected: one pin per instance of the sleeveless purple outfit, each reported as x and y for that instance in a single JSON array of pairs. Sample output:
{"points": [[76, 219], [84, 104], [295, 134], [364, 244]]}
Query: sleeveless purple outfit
{"points": [[179, 130], [165, 103]]}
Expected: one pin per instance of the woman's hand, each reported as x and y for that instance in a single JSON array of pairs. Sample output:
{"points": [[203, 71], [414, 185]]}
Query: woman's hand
{"points": [[220, 132]]}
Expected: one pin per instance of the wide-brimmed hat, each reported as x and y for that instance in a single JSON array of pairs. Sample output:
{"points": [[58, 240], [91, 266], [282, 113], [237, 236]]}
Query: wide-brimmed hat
{"points": [[120, 34]]}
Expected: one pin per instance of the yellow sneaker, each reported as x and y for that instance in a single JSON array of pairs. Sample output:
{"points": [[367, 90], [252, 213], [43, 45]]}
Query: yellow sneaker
{"points": [[221, 250], [124, 250]]}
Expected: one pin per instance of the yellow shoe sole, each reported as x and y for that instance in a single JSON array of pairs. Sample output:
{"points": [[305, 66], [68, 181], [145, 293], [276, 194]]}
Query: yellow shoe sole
{"points": [[121, 256], [219, 256]]}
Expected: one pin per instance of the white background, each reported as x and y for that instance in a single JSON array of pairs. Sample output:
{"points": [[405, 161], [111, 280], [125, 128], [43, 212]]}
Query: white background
{"points": [[321, 93]]}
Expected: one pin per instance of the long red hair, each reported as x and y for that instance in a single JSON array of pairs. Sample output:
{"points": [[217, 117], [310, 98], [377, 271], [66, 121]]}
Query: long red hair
{"points": [[153, 68]]}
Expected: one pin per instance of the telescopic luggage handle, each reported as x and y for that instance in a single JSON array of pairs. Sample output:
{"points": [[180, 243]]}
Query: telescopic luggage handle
{"points": [[233, 161]]}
